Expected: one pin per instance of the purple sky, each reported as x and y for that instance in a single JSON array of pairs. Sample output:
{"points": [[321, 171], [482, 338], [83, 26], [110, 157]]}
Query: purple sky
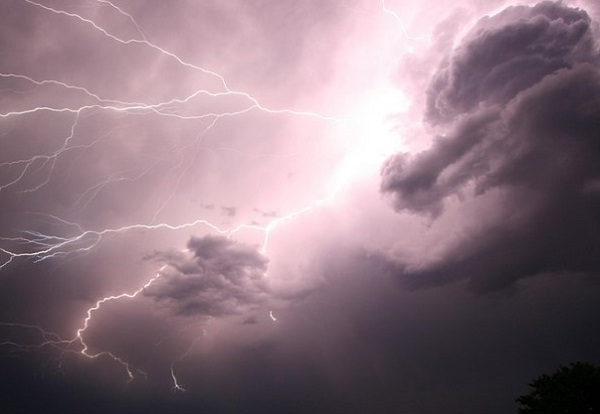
{"points": [[293, 207]]}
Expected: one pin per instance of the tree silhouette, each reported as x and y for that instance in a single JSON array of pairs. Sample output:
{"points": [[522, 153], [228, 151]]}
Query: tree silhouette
{"points": [[570, 390]]}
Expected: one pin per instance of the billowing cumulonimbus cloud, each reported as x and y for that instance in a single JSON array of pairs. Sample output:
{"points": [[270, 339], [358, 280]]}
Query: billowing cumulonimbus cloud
{"points": [[506, 54], [517, 107], [221, 278]]}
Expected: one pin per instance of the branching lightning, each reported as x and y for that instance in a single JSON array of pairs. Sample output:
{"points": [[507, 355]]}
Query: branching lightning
{"points": [[37, 246]]}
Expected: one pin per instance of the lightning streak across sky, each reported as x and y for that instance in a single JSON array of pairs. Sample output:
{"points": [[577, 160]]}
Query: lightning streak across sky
{"points": [[208, 107], [295, 206]]}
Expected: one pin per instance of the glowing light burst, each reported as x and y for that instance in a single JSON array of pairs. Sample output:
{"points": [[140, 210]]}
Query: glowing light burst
{"points": [[374, 135], [367, 130]]}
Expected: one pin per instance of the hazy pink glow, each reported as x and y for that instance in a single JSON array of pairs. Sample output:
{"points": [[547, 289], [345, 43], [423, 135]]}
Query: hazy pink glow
{"points": [[163, 142], [134, 134]]}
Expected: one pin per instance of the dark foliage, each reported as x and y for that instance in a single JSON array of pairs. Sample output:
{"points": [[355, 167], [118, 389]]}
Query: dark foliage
{"points": [[570, 390]]}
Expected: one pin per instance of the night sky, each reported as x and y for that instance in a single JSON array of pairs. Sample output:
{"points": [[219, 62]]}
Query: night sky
{"points": [[318, 206]]}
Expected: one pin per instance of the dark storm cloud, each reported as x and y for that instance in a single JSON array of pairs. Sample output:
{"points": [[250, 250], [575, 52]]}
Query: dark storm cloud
{"points": [[222, 278], [517, 106], [507, 54]]}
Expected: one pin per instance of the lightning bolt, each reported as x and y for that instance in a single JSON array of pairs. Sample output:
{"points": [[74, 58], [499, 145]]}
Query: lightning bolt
{"points": [[177, 386], [96, 307], [254, 103], [37, 246], [401, 23], [273, 318], [47, 338]]}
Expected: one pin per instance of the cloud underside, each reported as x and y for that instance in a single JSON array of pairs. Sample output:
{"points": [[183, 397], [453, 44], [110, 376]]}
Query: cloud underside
{"points": [[516, 113], [221, 278]]}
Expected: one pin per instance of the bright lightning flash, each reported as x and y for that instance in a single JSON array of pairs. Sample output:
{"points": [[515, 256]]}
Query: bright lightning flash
{"points": [[370, 126], [375, 136]]}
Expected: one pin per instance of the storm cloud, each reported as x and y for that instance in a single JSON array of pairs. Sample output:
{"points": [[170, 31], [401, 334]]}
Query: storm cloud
{"points": [[221, 278], [517, 105]]}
